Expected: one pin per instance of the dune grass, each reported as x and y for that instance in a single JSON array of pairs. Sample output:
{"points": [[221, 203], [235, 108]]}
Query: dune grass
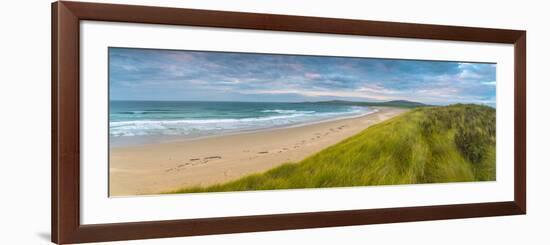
{"points": [[426, 145]]}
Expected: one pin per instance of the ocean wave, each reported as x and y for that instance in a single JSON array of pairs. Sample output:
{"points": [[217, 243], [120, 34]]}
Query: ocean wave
{"points": [[137, 112], [200, 127], [287, 111], [202, 121], [131, 112]]}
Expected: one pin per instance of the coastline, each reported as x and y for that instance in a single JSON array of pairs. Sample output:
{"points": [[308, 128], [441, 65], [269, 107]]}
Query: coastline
{"points": [[155, 168], [153, 140]]}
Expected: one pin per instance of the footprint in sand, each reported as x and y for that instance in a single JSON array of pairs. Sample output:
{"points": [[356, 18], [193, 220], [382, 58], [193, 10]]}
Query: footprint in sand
{"points": [[212, 157], [198, 161], [263, 152]]}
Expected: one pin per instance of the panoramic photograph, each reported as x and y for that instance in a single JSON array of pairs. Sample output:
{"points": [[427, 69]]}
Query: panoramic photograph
{"points": [[203, 121]]}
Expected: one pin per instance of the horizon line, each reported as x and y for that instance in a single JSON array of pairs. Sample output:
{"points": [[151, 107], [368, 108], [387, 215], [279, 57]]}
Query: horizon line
{"points": [[305, 101]]}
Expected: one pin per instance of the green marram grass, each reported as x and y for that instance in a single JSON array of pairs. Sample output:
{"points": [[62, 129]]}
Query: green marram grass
{"points": [[425, 145]]}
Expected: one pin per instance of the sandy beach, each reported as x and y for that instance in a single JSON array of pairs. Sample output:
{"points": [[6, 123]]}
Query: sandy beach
{"points": [[151, 169]]}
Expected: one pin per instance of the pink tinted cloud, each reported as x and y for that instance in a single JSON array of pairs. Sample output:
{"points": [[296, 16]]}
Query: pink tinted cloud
{"points": [[310, 75]]}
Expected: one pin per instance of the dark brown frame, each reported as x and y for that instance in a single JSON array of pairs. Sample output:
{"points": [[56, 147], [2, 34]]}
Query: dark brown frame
{"points": [[66, 17]]}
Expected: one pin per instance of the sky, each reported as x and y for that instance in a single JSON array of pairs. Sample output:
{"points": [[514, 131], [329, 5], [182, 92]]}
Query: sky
{"points": [[147, 74]]}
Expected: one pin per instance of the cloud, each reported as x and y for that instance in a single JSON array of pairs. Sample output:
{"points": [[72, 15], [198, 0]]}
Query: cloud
{"points": [[196, 75], [311, 75]]}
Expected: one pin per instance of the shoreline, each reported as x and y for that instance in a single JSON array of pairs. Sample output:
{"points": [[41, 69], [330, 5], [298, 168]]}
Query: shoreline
{"points": [[153, 140], [161, 167]]}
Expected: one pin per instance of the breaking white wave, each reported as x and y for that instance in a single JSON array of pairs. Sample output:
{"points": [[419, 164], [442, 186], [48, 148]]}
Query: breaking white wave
{"points": [[202, 127]]}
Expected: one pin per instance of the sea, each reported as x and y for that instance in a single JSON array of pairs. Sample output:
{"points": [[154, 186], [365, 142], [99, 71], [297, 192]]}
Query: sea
{"points": [[138, 121]]}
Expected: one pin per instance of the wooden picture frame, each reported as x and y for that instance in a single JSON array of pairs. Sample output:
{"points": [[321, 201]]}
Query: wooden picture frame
{"points": [[65, 177]]}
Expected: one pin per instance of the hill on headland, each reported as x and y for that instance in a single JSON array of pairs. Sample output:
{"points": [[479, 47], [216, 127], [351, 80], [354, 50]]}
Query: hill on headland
{"points": [[425, 145], [392, 103]]}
